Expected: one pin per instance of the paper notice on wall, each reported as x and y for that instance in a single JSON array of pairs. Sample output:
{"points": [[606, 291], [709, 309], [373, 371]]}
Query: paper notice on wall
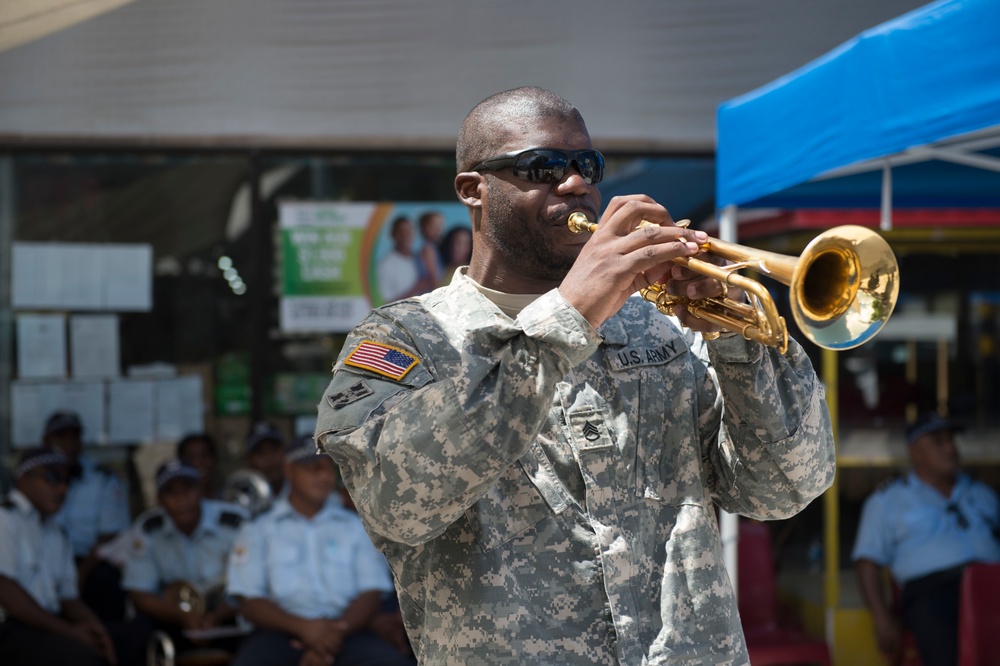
{"points": [[81, 276], [127, 283], [32, 402], [131, 411], [55, 276], [41, 346], [94, 345], [179, 407]]}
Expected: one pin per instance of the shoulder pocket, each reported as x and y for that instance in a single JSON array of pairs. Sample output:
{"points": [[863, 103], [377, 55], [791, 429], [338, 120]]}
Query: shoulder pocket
{"points": [[354, 395]]}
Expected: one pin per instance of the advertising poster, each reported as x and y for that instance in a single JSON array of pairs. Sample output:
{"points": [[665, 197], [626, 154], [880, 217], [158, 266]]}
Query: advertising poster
{"points": [[339, 260]]}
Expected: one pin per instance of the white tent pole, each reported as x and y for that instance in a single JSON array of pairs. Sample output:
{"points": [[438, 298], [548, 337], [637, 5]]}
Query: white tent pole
{"points": [[729, 526], [885, 221]]}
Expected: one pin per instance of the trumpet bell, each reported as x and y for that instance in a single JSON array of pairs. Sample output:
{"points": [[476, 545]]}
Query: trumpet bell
{"points": [[844, 287]]}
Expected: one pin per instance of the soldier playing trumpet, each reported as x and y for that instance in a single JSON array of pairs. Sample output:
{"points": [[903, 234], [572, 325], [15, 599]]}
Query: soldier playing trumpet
{"points": [[538, 454]]}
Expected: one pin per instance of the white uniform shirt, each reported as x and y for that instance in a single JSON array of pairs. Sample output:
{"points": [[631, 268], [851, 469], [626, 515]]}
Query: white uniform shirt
{"points": [[36, 554], [161, 554], [96, 504], [310, 567]]}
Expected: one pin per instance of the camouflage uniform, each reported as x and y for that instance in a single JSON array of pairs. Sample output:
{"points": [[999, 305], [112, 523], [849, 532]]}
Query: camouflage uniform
{"points": [[543, 492]]}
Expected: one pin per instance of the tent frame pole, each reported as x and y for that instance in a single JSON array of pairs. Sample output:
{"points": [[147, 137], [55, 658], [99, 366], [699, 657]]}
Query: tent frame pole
{"points": [[729, 526]]}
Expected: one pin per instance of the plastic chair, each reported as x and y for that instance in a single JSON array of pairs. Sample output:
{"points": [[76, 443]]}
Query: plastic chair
{"points": [[979, 616], [769, 641]]}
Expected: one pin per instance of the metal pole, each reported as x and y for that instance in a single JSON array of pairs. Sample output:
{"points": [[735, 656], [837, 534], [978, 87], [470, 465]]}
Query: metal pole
{"points": [[831, 508], [729, 525], [7, 207], [885, 222], [259, 291]]}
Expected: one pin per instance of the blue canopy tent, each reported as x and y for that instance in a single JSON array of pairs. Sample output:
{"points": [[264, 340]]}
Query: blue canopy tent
{"points": [[907, 114]]}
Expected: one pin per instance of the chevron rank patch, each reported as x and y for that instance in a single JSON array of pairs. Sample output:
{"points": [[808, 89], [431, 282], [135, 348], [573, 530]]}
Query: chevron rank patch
{"points": [[381, 359], [353, 393]]}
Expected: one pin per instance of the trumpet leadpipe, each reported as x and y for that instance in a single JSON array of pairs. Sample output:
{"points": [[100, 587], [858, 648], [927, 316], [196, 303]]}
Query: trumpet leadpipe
{"points": [[578, 223]]}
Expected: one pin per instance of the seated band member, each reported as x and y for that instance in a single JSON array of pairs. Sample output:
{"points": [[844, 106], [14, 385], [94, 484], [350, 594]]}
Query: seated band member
{"points": [[265, 454], [45, 621], [96, 510], [182, 543], [308, 577], [199, 451]]}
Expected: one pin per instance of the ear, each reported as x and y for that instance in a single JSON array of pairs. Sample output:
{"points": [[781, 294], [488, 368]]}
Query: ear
{"points": [[470, 186]]}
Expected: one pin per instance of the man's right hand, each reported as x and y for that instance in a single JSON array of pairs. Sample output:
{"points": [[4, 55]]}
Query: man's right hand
{"points": [[620, 260]]}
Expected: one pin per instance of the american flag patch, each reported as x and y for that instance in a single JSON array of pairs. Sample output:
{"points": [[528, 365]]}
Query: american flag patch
{"points": [[382, 359]]}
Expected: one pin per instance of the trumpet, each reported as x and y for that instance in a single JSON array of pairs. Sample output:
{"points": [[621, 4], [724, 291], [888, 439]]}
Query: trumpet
{"points": [[843, 287]]}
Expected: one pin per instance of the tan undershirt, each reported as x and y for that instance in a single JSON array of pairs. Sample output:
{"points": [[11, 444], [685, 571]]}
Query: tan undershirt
{"points": [[510, 304]]}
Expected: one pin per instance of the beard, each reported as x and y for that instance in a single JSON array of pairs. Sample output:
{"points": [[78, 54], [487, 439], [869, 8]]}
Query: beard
{"points": [[526, 241]]}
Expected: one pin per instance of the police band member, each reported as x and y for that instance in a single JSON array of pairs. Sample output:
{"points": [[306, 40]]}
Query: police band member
{"points": [[44, 620], [96, 510], [308, 577], [924, 528], [538, 454], [175, 571], [265, 446]]}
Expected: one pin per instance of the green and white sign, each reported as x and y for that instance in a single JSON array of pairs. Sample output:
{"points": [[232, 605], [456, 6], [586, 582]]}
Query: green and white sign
{"points": [[335, 258]]}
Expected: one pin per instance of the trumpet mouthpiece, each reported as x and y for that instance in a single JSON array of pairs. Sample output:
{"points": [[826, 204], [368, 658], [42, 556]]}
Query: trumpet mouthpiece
{"points": [[578, 222]]}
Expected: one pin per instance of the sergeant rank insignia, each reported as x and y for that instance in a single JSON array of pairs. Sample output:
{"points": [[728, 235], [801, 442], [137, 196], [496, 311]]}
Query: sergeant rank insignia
{"points": [[350, 394], [381, 359]]}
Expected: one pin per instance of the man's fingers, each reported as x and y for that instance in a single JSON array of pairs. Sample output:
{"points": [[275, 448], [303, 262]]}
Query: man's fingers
{"points": [[624, 214]]}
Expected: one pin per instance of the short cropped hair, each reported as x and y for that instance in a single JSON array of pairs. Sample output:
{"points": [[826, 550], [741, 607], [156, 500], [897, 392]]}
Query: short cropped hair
{"points": [[491, 122]]}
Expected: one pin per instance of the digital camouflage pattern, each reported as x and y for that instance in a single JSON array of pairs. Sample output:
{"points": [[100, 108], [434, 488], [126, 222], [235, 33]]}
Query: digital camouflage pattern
{"points": [[544, 492]]}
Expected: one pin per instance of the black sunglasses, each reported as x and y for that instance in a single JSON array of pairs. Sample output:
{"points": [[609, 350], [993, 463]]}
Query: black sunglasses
{"points": [[548, 165]]}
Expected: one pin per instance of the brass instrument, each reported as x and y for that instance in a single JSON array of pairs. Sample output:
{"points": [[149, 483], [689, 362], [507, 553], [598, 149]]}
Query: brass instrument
{"points": [[842, 288], [188, 597], [249, 489]]}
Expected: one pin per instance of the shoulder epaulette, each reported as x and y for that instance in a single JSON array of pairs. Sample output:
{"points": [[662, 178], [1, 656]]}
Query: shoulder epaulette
{"points": [[153, 523], [230, 519]]}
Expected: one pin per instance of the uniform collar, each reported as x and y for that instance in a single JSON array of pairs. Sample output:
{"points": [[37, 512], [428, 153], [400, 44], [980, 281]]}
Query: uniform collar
{"points": [[206, 524], [510, 304], [86, 466], [23, 504], [612, 331], [331, 510], [962, 482]]}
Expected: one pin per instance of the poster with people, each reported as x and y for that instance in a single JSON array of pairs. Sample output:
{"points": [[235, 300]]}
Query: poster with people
{"points": [[339, 260]]}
